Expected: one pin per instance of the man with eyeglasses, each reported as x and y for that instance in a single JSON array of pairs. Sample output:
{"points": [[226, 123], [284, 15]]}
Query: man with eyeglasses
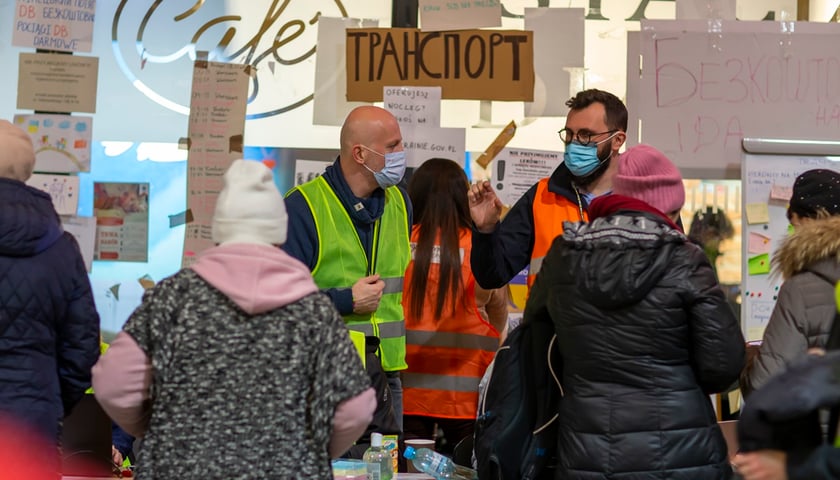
{"points": [[594, 132]]}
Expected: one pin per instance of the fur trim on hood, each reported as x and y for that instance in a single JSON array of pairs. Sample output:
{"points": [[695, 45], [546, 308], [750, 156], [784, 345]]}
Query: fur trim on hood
{"points": [[816, 240]]}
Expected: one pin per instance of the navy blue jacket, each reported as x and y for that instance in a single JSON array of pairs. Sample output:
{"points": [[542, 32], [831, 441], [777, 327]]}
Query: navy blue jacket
{"points": [[49, 328], [302, 237]]}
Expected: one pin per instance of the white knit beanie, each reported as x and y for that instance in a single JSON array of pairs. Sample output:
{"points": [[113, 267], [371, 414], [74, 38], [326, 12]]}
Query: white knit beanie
{"points": [[250, 209], [17, 157]]}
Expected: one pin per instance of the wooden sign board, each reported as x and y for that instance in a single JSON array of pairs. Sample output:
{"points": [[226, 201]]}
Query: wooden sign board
{"points": [[466, 64]]}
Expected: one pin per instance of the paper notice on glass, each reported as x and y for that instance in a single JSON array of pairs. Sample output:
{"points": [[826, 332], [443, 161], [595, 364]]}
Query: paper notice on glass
{"points": [[57, 83], [62, 142], [63, 189], [216, 137], [83, 230], [63, 26], [307, 170], [558, 58], [439, 15], [423, 143], [413, 105], [122, 221], [330, 105], [516, 170]]}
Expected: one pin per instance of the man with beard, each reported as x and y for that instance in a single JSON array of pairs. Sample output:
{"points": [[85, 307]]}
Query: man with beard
{"points": [[594, 132]]}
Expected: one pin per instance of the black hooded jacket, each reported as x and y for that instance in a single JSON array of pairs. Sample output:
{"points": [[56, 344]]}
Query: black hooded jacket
{"points": [[645, 335]]}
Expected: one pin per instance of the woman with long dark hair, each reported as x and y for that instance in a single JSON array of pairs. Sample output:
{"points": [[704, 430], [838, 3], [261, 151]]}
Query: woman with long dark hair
{"points": [[452, 325]]}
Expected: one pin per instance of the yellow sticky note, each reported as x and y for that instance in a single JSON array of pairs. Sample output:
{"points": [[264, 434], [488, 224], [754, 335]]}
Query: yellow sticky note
{"points": [[759, 265], [734, 400], [757, 213], [755, 333]]}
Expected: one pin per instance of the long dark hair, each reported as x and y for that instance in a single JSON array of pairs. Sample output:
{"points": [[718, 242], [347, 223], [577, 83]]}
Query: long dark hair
{"points": [[438, 192]]}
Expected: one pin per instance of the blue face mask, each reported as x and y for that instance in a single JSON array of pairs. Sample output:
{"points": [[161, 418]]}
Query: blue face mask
{"points": [[583, 159], [392, 172]]}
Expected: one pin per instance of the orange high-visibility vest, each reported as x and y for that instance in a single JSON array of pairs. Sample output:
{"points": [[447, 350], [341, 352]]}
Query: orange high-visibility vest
{"points": [[550, 211], [446, 357]]}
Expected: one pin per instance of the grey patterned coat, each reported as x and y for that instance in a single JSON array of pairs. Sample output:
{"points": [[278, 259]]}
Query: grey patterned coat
{"points": [[236, 395]]}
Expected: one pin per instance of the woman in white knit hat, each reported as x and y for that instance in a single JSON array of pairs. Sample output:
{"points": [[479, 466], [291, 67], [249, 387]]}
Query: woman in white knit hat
{"points": [[237, 367], [49, 328]]}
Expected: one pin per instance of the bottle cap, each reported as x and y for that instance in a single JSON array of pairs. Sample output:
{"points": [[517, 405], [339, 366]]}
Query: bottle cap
{"points": [[375, 439], [409, 452]]}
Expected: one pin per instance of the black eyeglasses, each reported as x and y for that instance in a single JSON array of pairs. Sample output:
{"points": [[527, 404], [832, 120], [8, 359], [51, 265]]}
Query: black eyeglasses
{"points": [[584, 137]]}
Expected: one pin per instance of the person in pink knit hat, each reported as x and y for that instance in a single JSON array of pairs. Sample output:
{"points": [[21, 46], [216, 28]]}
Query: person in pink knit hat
{"points": [[646, 174]]}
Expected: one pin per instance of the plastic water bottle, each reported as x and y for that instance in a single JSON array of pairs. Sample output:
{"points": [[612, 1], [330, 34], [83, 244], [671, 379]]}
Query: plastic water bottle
{"points": [[430, 462], [378, 460]]}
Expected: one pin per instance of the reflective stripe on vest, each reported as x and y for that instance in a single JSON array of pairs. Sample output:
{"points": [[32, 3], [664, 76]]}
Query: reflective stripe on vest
{"points": [[441, 382], [342, 261], [448, 356], [550, 211]]}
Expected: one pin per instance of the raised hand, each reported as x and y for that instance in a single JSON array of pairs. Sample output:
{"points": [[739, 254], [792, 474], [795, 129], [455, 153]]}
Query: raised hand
{"points": [[485, 206]]}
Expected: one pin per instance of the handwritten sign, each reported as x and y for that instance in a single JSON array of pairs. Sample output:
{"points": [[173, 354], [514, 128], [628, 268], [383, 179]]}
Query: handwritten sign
{"points": [[413, 105], [467, 64], [62, 142], [216, 136], [63, 189], [437, 15], [423, 143], [59, 25], [701, 93], [517, 170], [57, 83]]}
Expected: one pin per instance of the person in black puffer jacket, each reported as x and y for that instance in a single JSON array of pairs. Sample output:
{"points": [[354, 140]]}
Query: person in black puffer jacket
{"points": [[644, 332], [49, 328]]}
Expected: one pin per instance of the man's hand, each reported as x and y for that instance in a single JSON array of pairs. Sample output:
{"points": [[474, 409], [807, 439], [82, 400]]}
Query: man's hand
{"points": [[485, 206], [366, 294]]}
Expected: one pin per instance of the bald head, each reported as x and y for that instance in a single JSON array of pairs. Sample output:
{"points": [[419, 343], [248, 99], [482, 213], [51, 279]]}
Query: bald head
{"points": [[366, 125]]}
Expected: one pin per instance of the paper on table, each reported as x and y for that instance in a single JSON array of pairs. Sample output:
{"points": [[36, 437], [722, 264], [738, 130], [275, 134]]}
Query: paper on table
{"points": [[757, 213]]}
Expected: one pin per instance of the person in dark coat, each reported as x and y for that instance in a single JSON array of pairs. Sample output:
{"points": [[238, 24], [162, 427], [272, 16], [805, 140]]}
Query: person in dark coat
{"points": [[779, 432], [49, 328], [644, 332]]}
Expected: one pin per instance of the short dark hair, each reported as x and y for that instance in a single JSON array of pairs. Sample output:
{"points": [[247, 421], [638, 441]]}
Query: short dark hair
{"points": [[616, 112]]}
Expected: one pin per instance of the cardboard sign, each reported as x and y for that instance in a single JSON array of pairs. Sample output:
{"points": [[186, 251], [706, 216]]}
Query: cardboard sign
{"points": [[466, 64]]}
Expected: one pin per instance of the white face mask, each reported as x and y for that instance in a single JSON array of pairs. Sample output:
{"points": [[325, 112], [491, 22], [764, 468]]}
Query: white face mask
{"points": [[392, 172]]}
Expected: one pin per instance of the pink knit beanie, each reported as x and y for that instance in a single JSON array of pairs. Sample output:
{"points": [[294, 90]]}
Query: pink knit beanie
{"points": [[646, 174]]}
